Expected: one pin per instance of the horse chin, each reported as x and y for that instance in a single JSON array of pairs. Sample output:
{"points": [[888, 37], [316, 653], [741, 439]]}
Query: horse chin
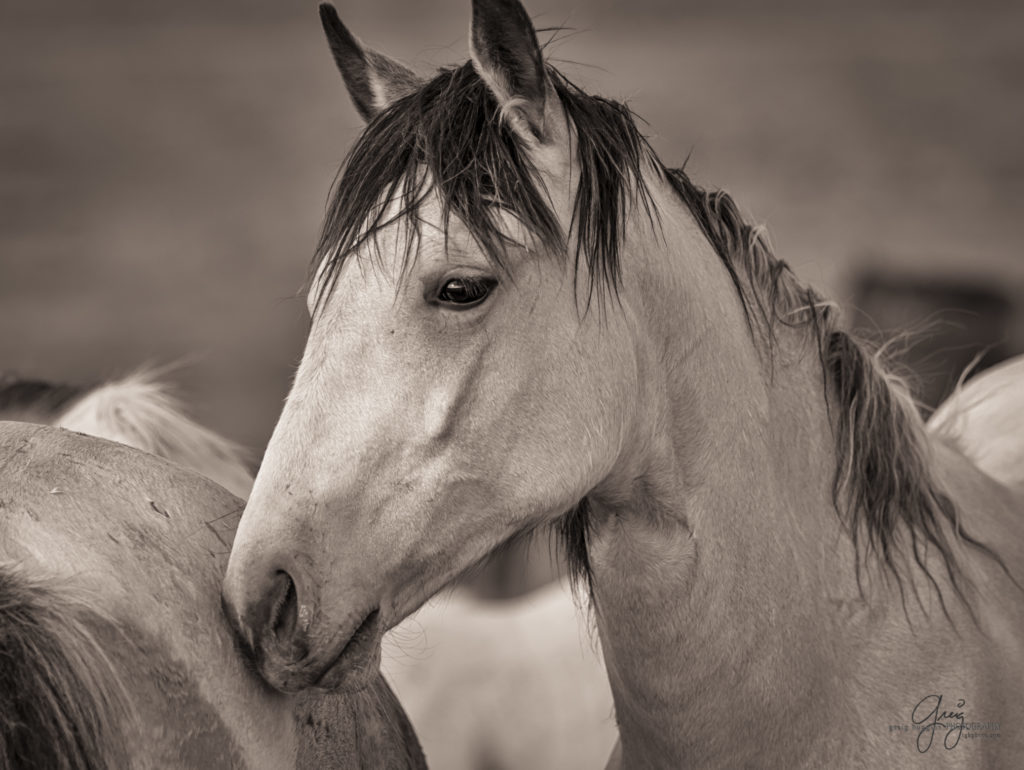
{"points": [[350, 675]]}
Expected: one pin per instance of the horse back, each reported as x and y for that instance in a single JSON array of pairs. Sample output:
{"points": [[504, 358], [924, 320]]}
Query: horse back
{"points": [[141, 544]]}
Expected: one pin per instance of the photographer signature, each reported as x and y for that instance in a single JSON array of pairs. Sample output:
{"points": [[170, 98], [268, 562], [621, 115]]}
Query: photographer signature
{"points": [[930, 717]]}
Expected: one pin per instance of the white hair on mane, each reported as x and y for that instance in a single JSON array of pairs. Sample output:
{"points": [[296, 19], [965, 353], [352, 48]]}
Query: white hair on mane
{"points": [[139, 410]]}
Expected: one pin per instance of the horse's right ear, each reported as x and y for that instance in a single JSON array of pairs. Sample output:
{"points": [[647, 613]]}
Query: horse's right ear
{"points": [[505, 53], [373, 80]]}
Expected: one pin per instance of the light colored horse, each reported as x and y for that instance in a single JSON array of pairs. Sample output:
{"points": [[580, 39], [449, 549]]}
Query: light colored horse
{"points": [[138, 410], [113, 649], [515, 684], [520, 312], [985, 420]]}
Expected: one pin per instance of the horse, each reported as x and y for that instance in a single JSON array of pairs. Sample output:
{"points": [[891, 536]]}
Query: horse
{"points": [[984, 419], [113, 649], [509, 684], [139, 410], [522, 318]]}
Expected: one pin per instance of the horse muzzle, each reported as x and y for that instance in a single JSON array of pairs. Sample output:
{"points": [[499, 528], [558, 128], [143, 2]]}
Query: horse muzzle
{"points": [[292, 646]]}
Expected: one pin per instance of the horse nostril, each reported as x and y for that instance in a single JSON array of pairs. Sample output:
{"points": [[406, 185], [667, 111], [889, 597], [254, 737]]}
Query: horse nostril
{"points": [[285, 613], [284, 628], [270, 622]]}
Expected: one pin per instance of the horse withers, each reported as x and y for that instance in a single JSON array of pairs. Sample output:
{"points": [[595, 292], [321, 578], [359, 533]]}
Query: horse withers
{"points": [[113, 648]]}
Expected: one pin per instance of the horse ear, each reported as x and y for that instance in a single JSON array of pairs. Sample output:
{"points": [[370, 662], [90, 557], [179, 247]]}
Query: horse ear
{"points": [[373, 80], [505, 53]]}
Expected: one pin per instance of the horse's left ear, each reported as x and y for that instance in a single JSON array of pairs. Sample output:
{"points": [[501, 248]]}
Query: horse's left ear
{"points": [[506, 55], [373, 80]]}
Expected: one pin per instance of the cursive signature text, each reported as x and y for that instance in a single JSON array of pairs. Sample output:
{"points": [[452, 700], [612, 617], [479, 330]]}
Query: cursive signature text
{"points": [[930, 717]]}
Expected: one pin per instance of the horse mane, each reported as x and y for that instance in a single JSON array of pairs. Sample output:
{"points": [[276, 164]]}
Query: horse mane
{"points": [[449, 137], [883, 482], [62, 704]]}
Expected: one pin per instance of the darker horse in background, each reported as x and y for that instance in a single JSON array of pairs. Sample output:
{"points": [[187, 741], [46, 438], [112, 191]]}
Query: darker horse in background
{"points": [[113, 649]]}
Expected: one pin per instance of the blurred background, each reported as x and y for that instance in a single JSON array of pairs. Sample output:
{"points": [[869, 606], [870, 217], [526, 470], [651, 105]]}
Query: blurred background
{"points": [[164, 167]]}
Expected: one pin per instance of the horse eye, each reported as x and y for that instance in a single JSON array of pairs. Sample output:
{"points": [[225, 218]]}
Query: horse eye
{"points": [[465, 292]]}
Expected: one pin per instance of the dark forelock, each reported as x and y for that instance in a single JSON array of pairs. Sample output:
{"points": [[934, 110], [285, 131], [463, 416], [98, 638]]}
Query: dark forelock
{"points": [[449, 137]]}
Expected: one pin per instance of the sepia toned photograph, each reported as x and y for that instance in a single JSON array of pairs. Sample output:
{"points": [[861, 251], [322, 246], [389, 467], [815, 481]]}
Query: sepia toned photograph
{"points": [[511, 384]]}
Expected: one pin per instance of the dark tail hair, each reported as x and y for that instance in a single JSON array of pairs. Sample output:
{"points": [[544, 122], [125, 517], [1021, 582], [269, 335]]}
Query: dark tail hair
{"points": [[62, 704]]}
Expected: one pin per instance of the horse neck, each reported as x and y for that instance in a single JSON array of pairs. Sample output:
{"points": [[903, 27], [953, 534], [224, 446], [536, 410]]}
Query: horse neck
{"points": [[708, 540]]}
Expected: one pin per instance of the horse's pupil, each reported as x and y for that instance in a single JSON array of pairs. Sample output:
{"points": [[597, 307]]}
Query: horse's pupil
{"points": [[461, 291]]}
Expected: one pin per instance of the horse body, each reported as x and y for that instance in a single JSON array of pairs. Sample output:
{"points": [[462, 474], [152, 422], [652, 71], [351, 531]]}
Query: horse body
{"points": [[521, 318], [109, 567]]}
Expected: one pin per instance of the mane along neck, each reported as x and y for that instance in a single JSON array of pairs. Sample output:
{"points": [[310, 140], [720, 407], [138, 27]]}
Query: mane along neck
{"points": [[883, 485], [882, 482], [698, 549]]}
